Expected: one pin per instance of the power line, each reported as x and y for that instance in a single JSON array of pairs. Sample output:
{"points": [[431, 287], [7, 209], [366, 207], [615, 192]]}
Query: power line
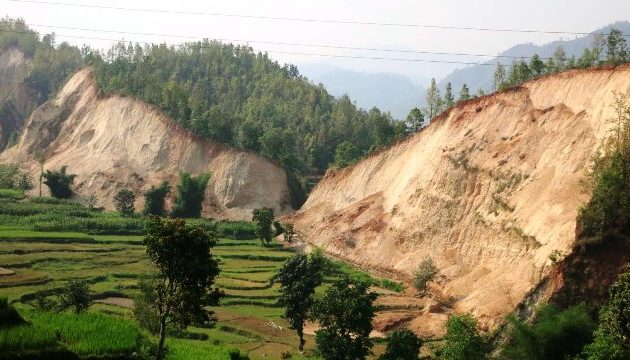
{"points": [[307, 20], [409, 51], [281, 52]]}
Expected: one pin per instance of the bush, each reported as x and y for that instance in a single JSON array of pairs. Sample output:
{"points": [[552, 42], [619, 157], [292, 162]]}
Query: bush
{"points": [[463, 341], [11, 177], [346, 154], [190, 192], [59, 182], [144, 311], [76, 296], [238, 230], [424, 273], [124, 202], [402, 345], [154, 199]]}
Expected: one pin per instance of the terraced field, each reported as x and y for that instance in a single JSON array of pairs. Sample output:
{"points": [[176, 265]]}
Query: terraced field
{"points": [[249, 318]]}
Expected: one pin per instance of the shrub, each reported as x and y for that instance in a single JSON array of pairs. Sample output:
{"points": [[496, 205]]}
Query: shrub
{"points": [[346, 154], [424, 273], [59, 182], [463, 341], [144, 311], [289, 233], [11, 177], [236, 229], [124, 202], [402, 345], [76, 296], [190, 192], [154, 199]]}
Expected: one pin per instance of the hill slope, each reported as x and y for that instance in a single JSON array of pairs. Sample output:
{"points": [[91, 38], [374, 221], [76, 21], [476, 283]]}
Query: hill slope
{"points": [[115, 142], [480, 76], [489, 190]]}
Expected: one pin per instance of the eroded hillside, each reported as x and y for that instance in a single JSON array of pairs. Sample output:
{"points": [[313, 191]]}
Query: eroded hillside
{"points": [[490, 190], [114, 142]]}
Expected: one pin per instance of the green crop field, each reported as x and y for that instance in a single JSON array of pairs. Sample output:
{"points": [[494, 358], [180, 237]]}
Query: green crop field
{"points": [[106, 250]]}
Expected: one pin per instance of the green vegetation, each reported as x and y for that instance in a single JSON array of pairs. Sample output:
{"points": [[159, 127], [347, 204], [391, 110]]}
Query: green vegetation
{"points": [[424, 273], [345, 313], [12, 178], [75, 295], [190, 192], [186, 270], [263, 218], [154, 199], [554, 334], [59, 182], [402, 345], [299, 277], [124, 202], [463, 341], [346, 154]]}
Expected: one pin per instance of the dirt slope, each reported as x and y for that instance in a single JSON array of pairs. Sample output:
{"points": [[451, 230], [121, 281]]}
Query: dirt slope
{"points": [[116, 142], [490, 189], [16, 99]]}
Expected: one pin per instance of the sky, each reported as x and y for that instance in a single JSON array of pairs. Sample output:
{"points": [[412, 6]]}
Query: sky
{"points": [[180, 25]]}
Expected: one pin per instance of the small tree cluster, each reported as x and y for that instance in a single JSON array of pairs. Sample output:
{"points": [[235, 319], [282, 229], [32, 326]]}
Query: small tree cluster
{"points": [[75, 295], [264, 220], [11, 177], [402, 345], [346, 154], [424, 273], [124, 202], [154, 199], [463, 341], [190, 190], [59, 182]]}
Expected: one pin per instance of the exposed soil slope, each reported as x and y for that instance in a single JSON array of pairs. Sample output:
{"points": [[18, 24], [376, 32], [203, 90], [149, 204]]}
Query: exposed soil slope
{"points": [[116, 142], [16, 99], [490, 189]]}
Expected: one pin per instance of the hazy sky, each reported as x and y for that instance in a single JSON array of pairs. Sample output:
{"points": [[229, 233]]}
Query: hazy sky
{"points": [[548, 15]]}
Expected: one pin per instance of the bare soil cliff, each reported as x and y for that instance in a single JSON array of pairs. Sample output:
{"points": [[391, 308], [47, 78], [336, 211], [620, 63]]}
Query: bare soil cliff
{"points": [[490, 190], [114, 142]]}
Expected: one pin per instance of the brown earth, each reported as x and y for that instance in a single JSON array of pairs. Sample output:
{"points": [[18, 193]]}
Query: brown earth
{"points": [[115, 142], [489, 190]]}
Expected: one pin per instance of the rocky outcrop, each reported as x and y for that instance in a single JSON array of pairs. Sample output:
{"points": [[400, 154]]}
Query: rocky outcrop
{"points": [[490, 190], [114, 142]]}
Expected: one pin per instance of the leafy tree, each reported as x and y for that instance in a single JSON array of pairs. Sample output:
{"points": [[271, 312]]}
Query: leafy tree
{"points": [[449, 98], [463, 341], [402, 345], [75, 295], [345, 313], [612, 337], [500, 78], [346, 154], [597, 47], [124, 202], [264, 219], [289, 233], [559, 59], [616, 48], [145, 310], [154, 199], [190, 190], [425, 272], [186, 271], [415, 120], [555, 334], [434, 103], [536, 65], [464, 93], [59, 182], [298, 278]]}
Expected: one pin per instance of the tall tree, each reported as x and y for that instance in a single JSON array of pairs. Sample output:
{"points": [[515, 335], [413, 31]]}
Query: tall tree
{"points": [[499, 80], [124, 202], [154, 199], [560, 58], [59, 182], [345, 314], [190, 190], [616, 48], [186, 272], [449, 98], [536, 65], [433, 100], [464, 93], [597, 47], [298, 278], [264, 220], [415, 120]]}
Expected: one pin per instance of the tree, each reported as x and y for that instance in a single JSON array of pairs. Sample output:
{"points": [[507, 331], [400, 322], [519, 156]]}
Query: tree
{"points": [[612, 337], [190, 190], [186, 271], [560, 59], [597, 47], [449, 98], [425, 272], [59, 182], [499, 80], [402, 345], [345, 313], [145, 310], [464, 93], [536, 65], [298, 278], [75, 295], [433, 100], [346, 154], [124, 202], [289, 233], [415, 119], [616, 48], [154, 199], [264, 219], [463, 341]]}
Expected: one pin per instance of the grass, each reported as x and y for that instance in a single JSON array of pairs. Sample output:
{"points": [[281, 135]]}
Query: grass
{"points": [[11, 194]]}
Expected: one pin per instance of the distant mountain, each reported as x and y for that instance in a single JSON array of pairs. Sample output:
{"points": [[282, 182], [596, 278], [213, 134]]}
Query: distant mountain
{"points": [[480, 76], [389, 92]]}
